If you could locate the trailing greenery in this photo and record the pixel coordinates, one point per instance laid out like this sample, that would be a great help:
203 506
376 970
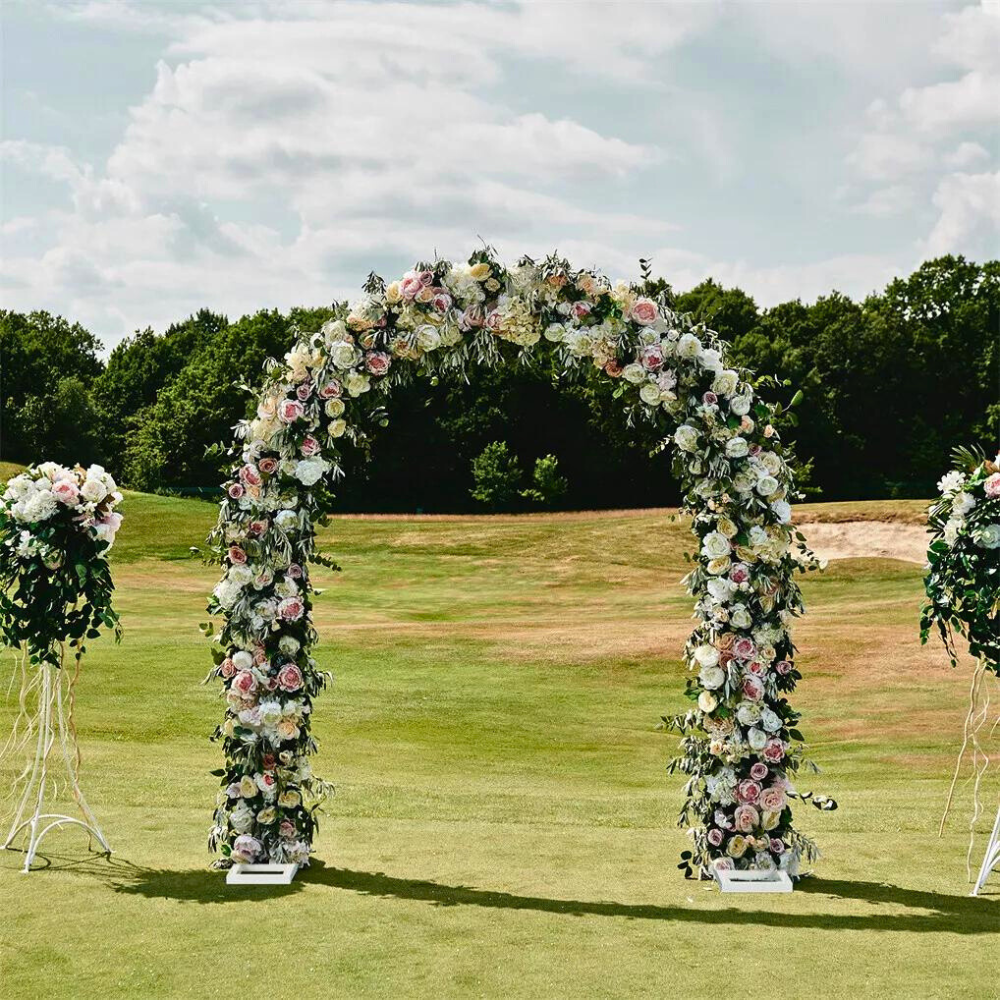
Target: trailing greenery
891 384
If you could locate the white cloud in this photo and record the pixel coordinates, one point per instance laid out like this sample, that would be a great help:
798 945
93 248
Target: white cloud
969 220
887 156
953 105
887 201
966 154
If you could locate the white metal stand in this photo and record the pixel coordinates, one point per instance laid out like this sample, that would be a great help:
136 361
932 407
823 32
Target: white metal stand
992 857
51 725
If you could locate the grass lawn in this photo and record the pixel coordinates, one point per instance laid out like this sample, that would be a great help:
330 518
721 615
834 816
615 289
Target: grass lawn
503 824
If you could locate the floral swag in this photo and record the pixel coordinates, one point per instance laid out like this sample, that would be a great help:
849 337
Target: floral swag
740 746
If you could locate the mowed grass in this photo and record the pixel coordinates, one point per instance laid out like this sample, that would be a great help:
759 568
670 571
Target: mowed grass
503 826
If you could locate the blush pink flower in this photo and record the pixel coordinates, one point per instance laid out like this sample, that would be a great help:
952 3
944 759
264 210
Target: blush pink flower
268 465
748 791
581 309
256 528
753 689
614 369
246 849
992 486
759 771
227 668
294 571
783 667
774 751
739 573
472 318
651 358
757 668
331 390
291 609
236 555
310 446
410 285
645 312
377 362
715 837
773 799
289 677
710 399
744 649
66 492
245 683
441 302
746 818
304 391
290 410
250 475
777 846
286 829
236 490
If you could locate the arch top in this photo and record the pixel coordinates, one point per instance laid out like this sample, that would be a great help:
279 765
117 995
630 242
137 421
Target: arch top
740 742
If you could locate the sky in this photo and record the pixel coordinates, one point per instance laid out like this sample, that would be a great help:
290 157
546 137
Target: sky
160 157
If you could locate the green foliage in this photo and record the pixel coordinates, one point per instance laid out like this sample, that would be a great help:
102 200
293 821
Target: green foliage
496 474
549 486
61 425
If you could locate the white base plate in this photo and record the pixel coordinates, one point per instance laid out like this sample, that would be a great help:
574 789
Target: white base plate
261 874
754 881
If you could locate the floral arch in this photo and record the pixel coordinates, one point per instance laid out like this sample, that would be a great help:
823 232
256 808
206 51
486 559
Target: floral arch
740 746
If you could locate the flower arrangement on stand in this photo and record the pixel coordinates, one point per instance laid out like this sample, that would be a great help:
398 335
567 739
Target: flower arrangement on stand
741 746
963 595
56 527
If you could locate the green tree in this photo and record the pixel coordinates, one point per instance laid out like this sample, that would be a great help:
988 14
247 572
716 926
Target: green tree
61 426
549 486
496 474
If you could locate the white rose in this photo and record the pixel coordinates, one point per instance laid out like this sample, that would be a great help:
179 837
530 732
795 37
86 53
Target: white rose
952 528
40 506
334 407
242 660
240 575
310 471
555 332
712 678
343 355
987 536
428 339
771 721
767 485
782 511
634 373
706 655
740 405
757 738
336 428
688 347
740 617
711 359
770 461
93 490
748 713
707 701
721 590
715 545
356 383
962 504
737 448
686 437
650 394
286 519
289 645
725 382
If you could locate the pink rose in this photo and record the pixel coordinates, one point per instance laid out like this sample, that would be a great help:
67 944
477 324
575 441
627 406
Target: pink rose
715 837
710 399
441 302
290 410
783 667
286 829
227 668
746 818
266 782
289 677
992 486
377 362
753 689
494 320
759 771
291 609
755 449
777 846
304 391
748 791
237 555
651 358
245 683
246 849
331 390
410 285
774 751
614 369
256 528
739 573
581 309
757 668
427 278
644 312
236 490
294 571
310 445
472 318
66 492
744 649
250 475
773 800
268 465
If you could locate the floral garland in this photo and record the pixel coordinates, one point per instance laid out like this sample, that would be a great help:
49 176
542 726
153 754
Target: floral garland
56 528
740 746
963 579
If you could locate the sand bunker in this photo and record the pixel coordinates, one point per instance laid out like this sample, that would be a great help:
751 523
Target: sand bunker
867 539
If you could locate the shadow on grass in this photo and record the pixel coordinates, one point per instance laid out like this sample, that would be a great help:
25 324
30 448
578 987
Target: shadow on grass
944 913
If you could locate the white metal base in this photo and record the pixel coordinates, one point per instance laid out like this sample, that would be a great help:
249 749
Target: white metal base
754 881
264 874
50 723
992 857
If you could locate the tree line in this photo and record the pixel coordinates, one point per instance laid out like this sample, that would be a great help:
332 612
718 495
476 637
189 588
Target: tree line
890 385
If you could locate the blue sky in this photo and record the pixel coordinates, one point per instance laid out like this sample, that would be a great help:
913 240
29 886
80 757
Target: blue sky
160 157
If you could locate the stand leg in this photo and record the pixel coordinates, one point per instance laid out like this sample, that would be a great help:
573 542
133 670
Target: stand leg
991 858
51 723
